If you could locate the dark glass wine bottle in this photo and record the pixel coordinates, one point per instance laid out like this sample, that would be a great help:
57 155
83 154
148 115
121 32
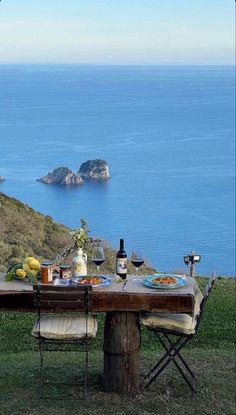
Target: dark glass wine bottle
121 261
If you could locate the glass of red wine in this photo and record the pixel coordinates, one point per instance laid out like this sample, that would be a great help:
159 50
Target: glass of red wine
98 257
137 260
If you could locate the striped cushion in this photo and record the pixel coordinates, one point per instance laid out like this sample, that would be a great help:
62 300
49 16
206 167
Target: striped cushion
173 321
65 328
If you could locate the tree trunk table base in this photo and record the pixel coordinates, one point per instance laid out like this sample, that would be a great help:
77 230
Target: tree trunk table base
121 352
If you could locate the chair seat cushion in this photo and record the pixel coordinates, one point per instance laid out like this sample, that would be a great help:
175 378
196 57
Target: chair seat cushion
65 328
170 321
173 321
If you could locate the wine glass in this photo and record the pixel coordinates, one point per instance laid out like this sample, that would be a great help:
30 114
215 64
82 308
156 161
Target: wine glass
137 260
98 257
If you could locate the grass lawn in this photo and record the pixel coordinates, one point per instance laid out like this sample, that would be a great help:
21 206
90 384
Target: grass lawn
211 355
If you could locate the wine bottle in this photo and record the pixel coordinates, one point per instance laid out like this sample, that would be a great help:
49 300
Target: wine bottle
121 261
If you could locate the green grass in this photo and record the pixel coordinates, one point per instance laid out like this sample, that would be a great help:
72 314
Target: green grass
215 369
211 354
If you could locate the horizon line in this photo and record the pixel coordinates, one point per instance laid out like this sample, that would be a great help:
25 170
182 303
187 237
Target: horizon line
111 64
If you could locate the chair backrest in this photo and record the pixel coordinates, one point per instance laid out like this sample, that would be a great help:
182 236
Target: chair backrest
62 298
208 290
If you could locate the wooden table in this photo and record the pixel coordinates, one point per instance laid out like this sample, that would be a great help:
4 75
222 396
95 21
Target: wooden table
122 332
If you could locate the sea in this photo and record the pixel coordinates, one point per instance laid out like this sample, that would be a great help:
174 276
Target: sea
167 134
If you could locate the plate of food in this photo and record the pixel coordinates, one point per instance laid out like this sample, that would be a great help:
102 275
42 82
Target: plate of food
94 280
165 281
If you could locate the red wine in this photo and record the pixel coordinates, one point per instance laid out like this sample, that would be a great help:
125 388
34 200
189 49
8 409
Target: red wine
98 262
121 261
137 262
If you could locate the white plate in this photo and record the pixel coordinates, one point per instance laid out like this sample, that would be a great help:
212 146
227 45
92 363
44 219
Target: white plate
106 281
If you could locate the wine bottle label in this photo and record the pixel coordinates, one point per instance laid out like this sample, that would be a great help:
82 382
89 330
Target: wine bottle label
121 266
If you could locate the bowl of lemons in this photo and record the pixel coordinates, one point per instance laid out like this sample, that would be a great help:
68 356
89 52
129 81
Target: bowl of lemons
26 270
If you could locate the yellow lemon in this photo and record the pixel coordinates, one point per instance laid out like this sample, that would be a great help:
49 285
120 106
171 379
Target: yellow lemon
28 259
34 264
26 267
20 273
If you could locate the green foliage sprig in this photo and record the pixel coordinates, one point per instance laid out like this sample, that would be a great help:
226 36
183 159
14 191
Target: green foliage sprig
80 236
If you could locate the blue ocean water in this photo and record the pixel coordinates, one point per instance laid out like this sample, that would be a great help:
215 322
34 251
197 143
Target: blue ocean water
167 133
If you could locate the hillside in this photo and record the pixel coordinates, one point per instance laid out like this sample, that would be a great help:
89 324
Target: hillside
26 232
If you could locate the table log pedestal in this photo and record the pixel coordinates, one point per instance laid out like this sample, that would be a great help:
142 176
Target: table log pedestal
121 352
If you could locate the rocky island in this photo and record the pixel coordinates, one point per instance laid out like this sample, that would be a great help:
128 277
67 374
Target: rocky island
89 170
62 175
94 170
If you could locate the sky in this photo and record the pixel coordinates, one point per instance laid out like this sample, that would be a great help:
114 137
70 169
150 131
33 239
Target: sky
117 31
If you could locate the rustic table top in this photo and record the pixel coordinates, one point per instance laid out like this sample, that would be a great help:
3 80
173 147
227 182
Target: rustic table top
134 296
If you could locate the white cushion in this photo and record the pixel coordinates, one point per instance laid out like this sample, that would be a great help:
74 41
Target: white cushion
170 321
65 328
173 321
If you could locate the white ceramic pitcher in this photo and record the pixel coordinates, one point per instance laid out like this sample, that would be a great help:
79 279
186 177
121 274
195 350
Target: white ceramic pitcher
79 264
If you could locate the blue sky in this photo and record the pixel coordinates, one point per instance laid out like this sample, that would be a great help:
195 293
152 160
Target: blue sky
118 31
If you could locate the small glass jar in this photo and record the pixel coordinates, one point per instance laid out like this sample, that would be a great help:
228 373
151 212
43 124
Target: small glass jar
47 272
65 271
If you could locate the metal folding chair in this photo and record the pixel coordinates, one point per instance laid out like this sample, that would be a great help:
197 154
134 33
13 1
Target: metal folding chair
174 339
52 329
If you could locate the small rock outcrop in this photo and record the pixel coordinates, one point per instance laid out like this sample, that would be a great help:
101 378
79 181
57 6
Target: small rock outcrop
2 179
94 170
90 170
62 175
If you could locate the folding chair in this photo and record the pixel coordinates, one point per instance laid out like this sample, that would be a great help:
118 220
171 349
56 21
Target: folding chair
56 329
174 331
